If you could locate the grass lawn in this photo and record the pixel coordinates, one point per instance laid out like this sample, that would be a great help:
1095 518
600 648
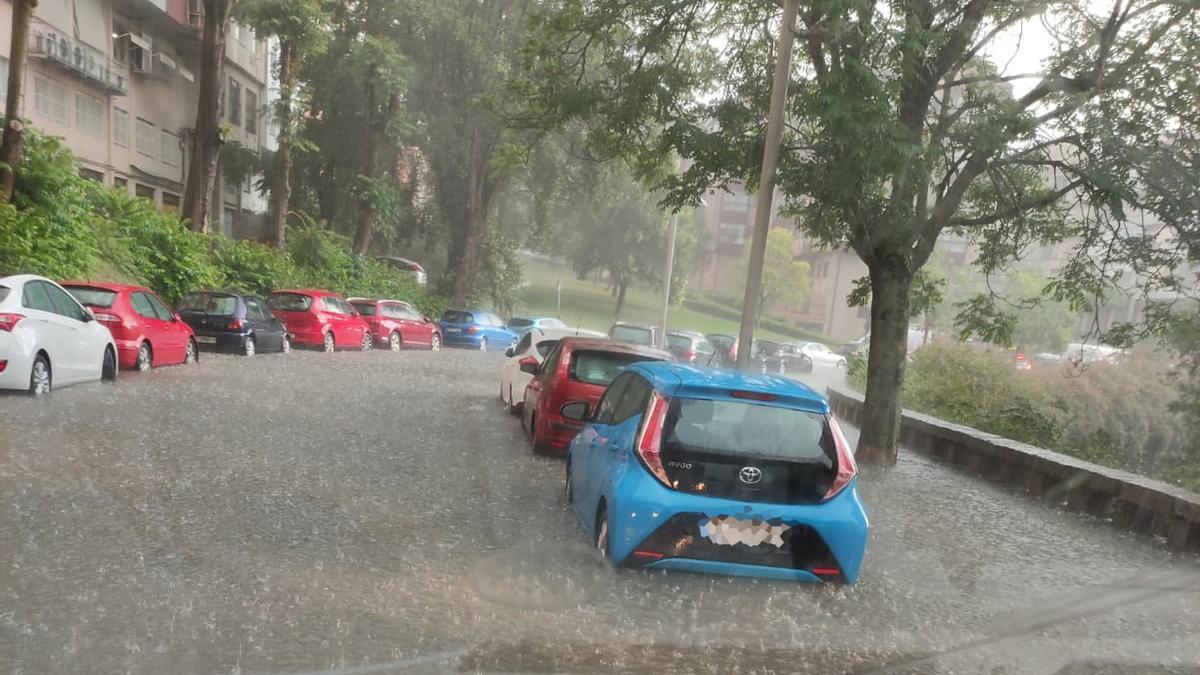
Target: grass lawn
590 305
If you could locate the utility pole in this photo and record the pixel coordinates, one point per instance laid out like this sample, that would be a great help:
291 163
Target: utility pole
662 337
766 185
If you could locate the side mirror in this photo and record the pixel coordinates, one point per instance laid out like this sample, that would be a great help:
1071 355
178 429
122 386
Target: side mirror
426 319
577 411
88 317
509 352
175 318
530 365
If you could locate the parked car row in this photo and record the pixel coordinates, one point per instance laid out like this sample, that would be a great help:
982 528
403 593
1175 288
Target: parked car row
55 334
673 465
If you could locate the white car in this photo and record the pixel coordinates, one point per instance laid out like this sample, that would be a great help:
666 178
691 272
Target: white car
48 339
535 344
820 355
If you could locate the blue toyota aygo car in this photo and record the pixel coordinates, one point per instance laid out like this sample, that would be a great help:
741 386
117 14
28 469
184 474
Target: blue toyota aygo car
700 470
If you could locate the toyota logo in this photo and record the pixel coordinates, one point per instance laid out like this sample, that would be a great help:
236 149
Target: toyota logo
750 475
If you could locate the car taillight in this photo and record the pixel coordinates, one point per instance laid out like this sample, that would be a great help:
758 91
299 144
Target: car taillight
649 441
528 361
847 469
8 320
414 267
106 317
470 329
690 354
236 324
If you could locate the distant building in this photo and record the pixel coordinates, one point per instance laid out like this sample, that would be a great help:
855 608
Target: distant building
117 81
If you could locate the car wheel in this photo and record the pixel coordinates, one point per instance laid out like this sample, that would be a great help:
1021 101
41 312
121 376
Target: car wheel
394 341
40 377
286 347
108 368
483 344
367 342
435 343
145 357
249 347
602 543
189 352
329 343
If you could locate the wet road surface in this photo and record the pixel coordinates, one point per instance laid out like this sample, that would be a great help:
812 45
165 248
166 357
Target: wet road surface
381 513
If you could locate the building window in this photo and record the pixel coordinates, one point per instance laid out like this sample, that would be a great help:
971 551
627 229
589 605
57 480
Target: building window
91 174
89 114
732 233
235 102
170 202
229 216
120 42
251 112
120 123
172 155
147 139
121 184
144 191
50 99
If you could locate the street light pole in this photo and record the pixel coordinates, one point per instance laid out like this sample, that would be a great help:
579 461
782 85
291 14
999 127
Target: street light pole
666 304
766 185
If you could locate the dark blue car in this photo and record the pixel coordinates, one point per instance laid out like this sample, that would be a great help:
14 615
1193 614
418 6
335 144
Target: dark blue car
700 470
475 329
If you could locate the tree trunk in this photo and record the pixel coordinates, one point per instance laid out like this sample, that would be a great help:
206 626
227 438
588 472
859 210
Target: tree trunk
621 288
479 193
378 124
206 139
281 192
891 285
14 128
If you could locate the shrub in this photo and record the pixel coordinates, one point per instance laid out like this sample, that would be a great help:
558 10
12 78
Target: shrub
152 246
254 268
47 228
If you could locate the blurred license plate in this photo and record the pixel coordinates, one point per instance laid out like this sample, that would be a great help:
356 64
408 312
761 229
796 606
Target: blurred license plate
453 330
206 340
729 531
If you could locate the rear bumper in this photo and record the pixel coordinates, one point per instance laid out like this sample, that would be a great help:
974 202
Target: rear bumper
19 362
220 340
835 530
307 336
127 352
461 340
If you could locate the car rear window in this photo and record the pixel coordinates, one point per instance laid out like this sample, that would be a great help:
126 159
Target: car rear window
635 334
456 316
365 308
89 295
721 341
737 428
679 341
208 303
289 302
520 323
597 367
4 290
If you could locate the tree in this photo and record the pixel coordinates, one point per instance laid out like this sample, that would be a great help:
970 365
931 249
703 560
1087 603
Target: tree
206 137
785 280
898 128
463 54
301 27
14 128
357 124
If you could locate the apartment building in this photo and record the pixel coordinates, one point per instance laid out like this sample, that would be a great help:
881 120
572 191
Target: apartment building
117 81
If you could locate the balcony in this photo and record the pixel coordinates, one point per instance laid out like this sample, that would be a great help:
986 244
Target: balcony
76 57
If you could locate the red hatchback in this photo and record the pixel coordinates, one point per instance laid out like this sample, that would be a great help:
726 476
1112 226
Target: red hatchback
146 332
396 324
320 319
577 369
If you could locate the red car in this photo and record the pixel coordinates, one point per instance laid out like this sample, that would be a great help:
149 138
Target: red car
577 369
320 319
146 332
397 324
